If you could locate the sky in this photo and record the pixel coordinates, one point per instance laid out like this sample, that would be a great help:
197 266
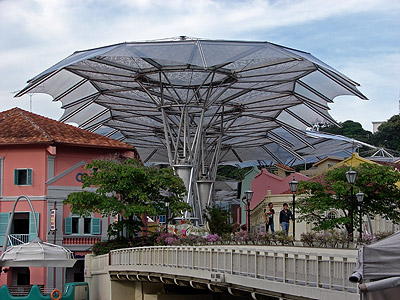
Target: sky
360 38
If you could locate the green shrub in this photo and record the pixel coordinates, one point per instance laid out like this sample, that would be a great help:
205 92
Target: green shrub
281 238
308 238
218 220
120 243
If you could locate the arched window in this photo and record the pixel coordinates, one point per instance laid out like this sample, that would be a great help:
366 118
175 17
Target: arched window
331 215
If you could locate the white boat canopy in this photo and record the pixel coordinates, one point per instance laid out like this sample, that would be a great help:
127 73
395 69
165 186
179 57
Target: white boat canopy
35 253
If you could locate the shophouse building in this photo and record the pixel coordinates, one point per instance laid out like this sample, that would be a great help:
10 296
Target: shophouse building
44 159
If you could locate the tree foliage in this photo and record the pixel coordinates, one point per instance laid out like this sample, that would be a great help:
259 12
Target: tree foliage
386 137
378 183
350 129
231 172
218 220
130 189
388 134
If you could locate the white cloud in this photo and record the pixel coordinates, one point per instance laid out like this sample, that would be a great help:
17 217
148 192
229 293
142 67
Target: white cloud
34 34
379 76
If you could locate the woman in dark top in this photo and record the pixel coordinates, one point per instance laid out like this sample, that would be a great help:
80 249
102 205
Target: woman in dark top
269 218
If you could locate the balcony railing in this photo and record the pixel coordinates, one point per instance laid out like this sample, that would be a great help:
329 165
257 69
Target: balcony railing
18 239
80 240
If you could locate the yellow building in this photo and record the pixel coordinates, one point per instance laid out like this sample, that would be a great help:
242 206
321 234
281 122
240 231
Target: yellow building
322 166
257 214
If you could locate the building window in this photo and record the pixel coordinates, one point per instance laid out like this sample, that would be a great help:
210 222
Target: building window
75 225
78 225
23 227
20 223
331 215
87 225
23 176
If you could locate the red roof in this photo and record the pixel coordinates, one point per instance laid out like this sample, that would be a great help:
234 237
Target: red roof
285 167
18 127
394 165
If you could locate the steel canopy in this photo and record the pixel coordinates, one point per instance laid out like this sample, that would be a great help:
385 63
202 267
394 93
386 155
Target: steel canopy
199 103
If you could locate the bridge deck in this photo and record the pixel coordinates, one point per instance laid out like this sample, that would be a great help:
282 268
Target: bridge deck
306 273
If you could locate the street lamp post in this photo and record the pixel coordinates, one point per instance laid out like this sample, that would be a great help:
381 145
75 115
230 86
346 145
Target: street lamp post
351 178
247 196
293 188
166 216
360 199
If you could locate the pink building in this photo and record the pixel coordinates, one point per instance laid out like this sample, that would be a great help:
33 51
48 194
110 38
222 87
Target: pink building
266 181
44 160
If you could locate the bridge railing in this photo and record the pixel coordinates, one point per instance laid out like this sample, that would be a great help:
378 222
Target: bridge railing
308 267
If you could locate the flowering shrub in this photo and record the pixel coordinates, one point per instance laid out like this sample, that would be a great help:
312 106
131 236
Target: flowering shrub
336 239
308 238
192 240
241 237
381 235
176 238
321 239
264 238
281 238
344 239
168 239
213 238
367 238
331 239
119 243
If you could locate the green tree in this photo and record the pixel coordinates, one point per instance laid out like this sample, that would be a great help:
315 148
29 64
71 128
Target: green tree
388 134
231 172
128 188
378 183
218 220
350 129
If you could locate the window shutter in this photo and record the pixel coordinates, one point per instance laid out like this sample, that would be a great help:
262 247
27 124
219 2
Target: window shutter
15 177
29 179
32 230
4 217
95 225
68 225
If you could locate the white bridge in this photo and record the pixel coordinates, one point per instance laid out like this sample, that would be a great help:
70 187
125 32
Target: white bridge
260 272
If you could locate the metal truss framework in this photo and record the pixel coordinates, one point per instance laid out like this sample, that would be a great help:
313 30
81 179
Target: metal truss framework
198 103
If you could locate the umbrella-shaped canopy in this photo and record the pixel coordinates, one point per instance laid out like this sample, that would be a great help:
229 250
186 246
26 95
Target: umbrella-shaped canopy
251 93
198 102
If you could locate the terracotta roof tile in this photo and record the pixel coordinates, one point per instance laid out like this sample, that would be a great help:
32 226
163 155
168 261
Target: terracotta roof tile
18 126
285 167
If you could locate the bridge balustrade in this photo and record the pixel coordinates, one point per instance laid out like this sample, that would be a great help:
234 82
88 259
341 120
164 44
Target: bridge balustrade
314 268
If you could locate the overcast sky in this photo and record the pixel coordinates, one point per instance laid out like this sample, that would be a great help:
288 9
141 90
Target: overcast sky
360 38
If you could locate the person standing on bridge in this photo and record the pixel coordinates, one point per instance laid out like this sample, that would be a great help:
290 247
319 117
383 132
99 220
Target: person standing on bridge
269 218
284 217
